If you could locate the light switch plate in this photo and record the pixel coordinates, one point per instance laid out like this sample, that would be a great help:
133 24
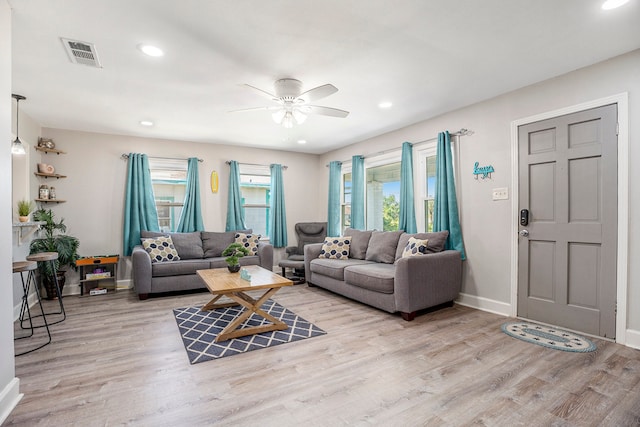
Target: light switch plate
500 193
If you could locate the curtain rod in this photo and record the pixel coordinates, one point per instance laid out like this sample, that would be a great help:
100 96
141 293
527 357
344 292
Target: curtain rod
254 164
461 132
126 156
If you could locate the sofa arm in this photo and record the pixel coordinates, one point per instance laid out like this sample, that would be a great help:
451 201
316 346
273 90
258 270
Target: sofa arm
265 254
141 266
291 250
311 252
426 281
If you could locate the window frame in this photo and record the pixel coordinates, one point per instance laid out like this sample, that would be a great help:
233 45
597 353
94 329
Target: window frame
248 169
168 164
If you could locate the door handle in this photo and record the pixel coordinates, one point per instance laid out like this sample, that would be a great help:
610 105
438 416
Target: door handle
524 233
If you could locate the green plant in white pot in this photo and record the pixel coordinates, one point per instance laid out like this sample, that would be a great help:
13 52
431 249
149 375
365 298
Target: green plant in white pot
25 207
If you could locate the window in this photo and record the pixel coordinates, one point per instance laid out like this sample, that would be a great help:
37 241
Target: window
169 181
255 190
383 196
346 201
429 175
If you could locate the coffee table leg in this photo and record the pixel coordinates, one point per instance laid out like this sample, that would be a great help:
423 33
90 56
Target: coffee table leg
211 305
251 306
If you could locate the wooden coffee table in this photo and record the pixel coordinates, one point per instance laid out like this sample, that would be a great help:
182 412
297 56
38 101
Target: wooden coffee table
221 282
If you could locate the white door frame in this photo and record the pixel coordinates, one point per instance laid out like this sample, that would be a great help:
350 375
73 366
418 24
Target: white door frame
622 279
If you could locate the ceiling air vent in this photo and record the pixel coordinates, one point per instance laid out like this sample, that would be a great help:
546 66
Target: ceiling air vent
81 52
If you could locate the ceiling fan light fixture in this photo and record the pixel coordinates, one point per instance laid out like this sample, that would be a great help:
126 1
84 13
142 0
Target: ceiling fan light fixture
287 121
278 116
299 116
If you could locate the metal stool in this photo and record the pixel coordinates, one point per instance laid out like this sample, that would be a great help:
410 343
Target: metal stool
52 258
29 267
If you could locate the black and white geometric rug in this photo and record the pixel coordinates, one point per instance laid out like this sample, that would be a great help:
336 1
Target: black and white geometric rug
550 337
199 329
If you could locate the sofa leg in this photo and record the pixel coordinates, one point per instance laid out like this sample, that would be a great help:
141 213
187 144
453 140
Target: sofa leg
143 296
408 316
311 285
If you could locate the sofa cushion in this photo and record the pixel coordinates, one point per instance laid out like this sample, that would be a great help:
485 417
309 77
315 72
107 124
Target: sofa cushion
436 240
335 248
382 246
221 263
359 242
378 277
160 249
213 243
334 268
415 247
249 241
188 245
189 266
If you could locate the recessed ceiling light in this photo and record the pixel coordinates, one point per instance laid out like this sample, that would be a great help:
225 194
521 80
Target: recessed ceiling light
150 50
302 141
146 122
612 4
385 104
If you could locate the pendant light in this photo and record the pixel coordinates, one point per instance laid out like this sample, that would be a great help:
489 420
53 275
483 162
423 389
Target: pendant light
17 147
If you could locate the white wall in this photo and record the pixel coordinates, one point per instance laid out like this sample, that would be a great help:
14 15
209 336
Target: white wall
9 384
96 174
486 223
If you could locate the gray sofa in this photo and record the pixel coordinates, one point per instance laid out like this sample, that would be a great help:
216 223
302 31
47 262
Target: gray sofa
375 273
197 251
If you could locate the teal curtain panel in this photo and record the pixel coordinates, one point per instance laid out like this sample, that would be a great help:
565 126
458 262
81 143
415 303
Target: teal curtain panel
191 216
446 203
333 214
235 213
357 193
140 206
278 211
407 208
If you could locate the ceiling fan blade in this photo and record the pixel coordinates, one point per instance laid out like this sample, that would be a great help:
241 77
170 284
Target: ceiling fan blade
318 93
327 111
262 92
245 110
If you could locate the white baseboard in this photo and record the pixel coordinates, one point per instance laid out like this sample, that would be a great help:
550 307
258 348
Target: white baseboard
484 304
633 339
9 398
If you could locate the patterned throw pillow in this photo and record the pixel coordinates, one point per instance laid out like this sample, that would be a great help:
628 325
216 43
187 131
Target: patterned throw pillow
335 247
249 241
415 247
160 249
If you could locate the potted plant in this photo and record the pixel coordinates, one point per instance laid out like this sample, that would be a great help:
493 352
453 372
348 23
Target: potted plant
233 253
53 241
25 207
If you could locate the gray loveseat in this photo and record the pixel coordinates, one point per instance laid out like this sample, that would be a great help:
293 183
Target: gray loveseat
376 274
197 251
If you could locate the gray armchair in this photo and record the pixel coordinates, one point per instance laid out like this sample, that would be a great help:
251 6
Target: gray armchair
306 233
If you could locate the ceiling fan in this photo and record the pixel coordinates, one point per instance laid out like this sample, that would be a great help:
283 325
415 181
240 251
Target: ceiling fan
295 105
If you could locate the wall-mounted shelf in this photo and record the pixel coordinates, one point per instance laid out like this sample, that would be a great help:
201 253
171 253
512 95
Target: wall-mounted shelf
50 201
49 150
26 229
49 175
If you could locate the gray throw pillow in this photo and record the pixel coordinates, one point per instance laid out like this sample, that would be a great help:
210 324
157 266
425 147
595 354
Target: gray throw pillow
437 240
214 243
359 242
188 245
382 246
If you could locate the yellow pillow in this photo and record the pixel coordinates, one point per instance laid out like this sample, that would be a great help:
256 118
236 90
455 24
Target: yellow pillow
415 247
335 247
160 249
249 241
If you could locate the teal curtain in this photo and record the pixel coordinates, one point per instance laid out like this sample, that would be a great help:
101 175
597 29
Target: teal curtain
407 208
191 216
357 193
278 212
333 214
235 213
446 203
139 206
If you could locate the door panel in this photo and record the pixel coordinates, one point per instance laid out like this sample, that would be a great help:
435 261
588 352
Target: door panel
568 182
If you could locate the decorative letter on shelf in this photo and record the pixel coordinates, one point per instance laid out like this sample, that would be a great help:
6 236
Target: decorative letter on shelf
485 171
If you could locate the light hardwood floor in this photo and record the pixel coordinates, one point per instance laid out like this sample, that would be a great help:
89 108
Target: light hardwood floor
120 361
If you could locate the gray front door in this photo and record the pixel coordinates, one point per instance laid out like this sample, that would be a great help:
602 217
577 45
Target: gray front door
567 251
